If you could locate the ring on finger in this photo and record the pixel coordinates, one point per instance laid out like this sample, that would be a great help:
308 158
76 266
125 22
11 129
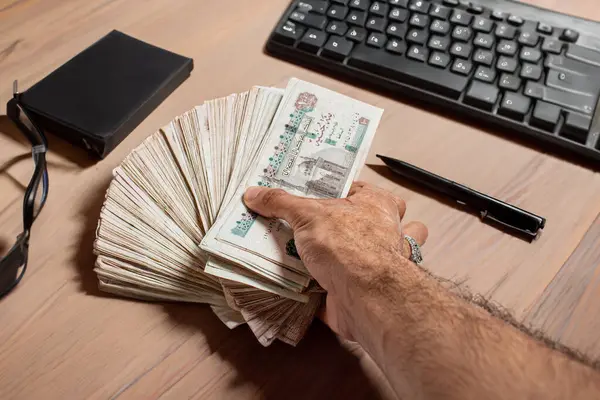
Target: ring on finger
415 250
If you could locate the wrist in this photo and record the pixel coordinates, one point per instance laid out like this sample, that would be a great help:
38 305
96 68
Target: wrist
393 293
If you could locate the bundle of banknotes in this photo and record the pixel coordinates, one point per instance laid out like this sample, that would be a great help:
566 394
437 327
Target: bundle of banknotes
174 226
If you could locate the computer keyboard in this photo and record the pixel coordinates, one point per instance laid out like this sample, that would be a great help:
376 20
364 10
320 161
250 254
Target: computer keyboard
517 66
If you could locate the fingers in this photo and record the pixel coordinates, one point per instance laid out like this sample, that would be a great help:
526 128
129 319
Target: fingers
416 230
356 186
365 190
279 204
400 205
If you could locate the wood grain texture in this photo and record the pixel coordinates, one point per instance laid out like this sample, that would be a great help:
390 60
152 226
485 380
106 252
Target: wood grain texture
61 338
570 302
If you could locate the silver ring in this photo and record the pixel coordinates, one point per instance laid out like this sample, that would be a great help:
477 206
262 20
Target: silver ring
415 250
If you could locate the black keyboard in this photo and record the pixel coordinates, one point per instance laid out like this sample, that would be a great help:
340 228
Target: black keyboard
517 66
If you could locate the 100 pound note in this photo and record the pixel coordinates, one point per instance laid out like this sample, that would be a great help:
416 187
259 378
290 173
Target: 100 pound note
315 148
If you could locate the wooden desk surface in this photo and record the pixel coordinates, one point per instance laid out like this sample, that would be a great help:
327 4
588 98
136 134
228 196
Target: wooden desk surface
61 338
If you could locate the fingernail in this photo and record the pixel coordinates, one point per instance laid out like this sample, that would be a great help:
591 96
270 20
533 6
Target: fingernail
252 193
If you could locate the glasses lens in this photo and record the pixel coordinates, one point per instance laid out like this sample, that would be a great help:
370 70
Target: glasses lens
12 268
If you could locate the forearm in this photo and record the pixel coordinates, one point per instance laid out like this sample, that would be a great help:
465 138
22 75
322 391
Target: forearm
431 344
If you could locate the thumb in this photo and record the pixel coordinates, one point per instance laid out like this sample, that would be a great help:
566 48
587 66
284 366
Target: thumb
277 203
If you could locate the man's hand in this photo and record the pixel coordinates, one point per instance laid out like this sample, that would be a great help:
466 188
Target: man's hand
429 343
342 241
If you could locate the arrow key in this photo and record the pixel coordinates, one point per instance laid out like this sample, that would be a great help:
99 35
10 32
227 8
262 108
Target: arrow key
514 106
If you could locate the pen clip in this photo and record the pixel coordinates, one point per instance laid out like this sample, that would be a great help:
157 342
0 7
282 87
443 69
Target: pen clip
485 215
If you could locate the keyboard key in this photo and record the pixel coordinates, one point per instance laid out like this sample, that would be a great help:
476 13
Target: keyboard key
552 45
505 31
418 53
569 35
399 3
441 27
438 59
379 8
337 48
337 28
485 74
438 11
312 41
288 33
357 34
514 106
530 54
398 14
396 30
376 40
474 8
577 102
439 43
584 55
545 115
510 82
576 127
451 3
506 64
419 20
461 17
507 47
417 36
484 40
534 90
515 20
376 24
531 71
396 46
421 6
483 57
482 95
342 2
337 12
527 38
359 4
462 33
310 20
461 50
357 18
483 25
544 28
463 67
318 7
567 64
498 15
410 72
571 82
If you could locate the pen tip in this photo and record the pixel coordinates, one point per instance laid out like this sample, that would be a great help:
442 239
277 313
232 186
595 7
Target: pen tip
382 158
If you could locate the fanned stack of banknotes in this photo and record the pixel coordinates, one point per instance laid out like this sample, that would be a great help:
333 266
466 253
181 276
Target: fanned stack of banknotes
174 226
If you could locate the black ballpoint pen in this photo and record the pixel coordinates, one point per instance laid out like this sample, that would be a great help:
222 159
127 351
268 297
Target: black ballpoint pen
490 209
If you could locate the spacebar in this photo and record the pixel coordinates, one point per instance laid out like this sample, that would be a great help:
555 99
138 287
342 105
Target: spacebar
403 70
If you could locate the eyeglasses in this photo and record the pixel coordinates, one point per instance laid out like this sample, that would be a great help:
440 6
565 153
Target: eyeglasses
14 264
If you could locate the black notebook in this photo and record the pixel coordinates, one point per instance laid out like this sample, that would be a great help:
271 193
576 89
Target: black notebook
99 96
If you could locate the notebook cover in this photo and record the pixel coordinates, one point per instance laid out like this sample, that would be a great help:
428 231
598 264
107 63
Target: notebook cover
99 96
